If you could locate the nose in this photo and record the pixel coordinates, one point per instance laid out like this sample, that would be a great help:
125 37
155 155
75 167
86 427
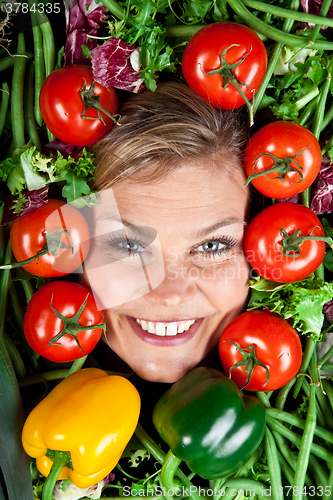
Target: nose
176 288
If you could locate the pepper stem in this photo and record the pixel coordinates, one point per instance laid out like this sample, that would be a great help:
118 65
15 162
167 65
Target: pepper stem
249 360
291 242
60 460
281 166
72 326
52 245
226 70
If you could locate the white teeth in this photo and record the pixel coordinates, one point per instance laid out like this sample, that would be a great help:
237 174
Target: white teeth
150 327
159 329
172 329
165 329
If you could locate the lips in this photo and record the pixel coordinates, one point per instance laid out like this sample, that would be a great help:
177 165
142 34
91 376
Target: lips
165 333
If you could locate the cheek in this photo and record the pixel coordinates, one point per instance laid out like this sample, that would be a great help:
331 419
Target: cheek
226 285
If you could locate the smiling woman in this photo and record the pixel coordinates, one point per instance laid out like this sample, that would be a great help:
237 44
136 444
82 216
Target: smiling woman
166 258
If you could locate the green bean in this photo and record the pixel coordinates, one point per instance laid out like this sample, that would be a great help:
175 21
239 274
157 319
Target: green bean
273 466
287 13
327 118
247 484
318 472
118 11
322 400
283 393
305 445
77 365
317 450
29 109
8 61
273 60
243 471
273 33
320 111
310 345
329 391
262 396
320 415
328 367
299 422
4 105
329 484
48 43
308 110
48 51
39 63
284 449
15 356
18 315
28 289
17 113
322 13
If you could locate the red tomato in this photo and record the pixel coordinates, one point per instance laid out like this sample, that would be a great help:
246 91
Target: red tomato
41 324
203 54
30 232
61 106
276 345
263 242
284 140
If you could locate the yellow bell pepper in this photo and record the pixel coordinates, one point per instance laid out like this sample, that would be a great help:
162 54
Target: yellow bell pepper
82 427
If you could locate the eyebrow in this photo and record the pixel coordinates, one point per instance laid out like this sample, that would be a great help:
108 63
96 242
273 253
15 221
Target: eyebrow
218 225
142 230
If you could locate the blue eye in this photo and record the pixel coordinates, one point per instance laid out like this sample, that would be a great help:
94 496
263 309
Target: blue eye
216 246
124 245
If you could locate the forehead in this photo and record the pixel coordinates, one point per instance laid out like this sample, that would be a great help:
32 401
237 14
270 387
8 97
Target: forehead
188 193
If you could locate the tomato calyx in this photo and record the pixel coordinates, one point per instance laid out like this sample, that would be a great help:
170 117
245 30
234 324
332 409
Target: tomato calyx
290 245
72 326
249 361
281 166
90 100
52 245
226 71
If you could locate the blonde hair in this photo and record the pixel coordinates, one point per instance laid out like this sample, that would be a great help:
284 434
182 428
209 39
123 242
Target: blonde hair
165 129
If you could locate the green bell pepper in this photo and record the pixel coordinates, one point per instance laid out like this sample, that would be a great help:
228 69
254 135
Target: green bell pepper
207 423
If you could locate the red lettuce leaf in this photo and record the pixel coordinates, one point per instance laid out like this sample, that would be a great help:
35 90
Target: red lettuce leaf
66 150
32 200
112 67
322 200
83 18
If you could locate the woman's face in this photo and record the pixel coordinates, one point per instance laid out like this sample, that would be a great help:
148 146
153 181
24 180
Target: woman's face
167 264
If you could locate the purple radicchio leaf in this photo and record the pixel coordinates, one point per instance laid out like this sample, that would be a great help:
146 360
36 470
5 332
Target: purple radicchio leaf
322 200
328 310
112 66
313 7
31 201
83 18
292 199
66 150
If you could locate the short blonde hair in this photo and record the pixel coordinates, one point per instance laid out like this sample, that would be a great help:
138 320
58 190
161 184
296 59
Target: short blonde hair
165 129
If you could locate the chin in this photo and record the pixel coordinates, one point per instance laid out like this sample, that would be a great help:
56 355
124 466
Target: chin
166 377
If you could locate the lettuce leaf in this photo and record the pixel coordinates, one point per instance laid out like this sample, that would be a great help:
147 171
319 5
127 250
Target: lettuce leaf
301 302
